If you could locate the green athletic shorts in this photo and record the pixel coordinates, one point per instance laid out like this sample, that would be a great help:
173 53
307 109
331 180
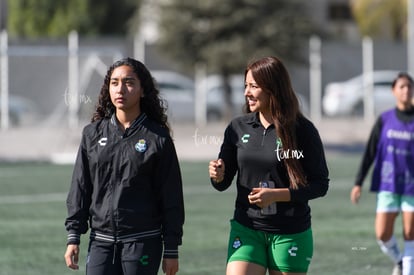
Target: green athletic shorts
285 253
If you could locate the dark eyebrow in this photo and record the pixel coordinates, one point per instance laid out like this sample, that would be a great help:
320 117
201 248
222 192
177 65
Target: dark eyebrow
129 78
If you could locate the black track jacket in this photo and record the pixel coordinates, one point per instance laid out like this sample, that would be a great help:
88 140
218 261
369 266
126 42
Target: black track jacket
255 154
126 186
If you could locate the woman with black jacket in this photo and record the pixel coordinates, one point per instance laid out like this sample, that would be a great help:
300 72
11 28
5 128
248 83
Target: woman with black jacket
126 184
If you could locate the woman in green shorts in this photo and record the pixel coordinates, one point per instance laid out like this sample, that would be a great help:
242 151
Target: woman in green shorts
280 164
391 148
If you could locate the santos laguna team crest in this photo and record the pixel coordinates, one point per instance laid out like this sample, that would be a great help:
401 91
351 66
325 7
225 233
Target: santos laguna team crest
237 243
141 145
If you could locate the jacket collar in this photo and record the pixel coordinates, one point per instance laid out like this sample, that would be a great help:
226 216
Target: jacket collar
253 119
138 121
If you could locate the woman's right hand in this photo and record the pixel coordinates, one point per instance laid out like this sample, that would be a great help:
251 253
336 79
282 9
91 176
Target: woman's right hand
72 256
355 194
216 170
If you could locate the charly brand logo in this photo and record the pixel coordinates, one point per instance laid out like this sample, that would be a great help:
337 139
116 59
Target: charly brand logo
292 251
245 138
103 141
288 153
144 260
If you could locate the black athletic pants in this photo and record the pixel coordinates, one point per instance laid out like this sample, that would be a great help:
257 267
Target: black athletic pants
130 258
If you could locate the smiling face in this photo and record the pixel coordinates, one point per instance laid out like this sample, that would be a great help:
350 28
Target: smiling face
257 99
125 90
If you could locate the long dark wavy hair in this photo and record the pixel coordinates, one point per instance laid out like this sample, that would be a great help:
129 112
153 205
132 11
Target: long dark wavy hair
151 104
273 78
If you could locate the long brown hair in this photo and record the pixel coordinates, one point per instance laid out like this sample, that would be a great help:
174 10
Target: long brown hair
273 78
151 104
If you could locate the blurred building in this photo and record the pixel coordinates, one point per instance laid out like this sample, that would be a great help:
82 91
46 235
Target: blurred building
334 17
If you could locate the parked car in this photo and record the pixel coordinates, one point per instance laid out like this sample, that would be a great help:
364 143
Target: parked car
21 111
347 97
178 91
215 97
216 105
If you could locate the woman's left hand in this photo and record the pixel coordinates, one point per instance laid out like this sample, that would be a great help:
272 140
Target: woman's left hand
170 266
262 197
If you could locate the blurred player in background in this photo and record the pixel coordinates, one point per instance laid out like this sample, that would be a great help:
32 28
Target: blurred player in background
391 148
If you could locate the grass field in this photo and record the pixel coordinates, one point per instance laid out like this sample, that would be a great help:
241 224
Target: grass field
32 212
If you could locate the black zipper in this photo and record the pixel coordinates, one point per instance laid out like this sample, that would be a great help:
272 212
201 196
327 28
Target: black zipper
263 136
114 214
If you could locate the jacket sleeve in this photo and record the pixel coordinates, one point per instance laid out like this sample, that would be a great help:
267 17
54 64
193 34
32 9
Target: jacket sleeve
79 197
314 165
168 175
228 153
370 152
